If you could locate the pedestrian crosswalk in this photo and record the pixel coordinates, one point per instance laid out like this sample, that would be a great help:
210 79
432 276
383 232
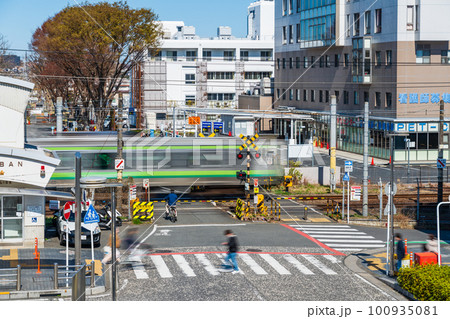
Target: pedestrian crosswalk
340 237
259 264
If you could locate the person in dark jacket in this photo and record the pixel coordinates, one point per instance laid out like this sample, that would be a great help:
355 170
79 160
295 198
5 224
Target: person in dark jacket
400 250
232 250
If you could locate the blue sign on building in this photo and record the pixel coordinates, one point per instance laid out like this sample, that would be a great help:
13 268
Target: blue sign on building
423 98
218 126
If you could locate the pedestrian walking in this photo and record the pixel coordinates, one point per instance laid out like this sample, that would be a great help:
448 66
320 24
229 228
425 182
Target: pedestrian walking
400 250
432 244
232 250
108 248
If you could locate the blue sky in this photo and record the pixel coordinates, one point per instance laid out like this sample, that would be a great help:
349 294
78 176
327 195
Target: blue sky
19 19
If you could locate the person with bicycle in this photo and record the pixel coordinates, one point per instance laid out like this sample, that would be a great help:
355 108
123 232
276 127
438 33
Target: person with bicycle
171 203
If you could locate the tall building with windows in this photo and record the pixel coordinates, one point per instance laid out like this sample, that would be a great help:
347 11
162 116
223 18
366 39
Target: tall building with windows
394 55
209 72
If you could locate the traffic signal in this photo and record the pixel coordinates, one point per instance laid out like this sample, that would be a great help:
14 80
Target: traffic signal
241 175
240 156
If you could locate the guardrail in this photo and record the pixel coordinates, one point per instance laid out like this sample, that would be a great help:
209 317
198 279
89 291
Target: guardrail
67 274
11 275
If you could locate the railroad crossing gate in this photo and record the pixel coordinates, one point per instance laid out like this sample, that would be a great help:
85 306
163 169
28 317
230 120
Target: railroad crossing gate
143 211
248 141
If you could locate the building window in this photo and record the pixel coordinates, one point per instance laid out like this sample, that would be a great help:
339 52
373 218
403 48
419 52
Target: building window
305 95
189 100
417 18
320 96
171 55
284 63
155 56
367 22
284 94
355 97
291 34
207 55
284 7
337 58
321 62
191 55
284 36
291 94
378 58
291 63
189 78
423 54
298 36
312 62
327 61
388 99
297 95
347 25
257 75
346 60
410 18
327 96
278 64
313 96
291 6
366 97
228 55
356 24
388 57
220 96
299 5
278 94
305 62
445 57
378 21
220 75
378 99
244 55
336 94
345 97
297 62
266 55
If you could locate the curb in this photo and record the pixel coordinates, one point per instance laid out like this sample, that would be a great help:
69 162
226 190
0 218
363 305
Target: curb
36 294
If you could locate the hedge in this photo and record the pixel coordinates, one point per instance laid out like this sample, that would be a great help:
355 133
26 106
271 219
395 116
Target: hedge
426 283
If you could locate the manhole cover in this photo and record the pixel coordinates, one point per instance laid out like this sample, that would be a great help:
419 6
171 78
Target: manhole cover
254 250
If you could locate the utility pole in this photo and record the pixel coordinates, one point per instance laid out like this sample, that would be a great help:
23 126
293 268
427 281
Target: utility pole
119 151
365 209
333 145
248 177
174 121
77 242
391 210
441 151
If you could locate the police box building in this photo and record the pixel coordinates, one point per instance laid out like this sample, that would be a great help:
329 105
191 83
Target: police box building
25 170
394 55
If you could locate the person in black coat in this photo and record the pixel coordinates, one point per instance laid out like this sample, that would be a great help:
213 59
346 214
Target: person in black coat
400 250
232 250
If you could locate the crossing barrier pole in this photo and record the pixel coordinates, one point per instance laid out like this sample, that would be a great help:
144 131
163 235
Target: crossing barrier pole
411 255
35 248
406 244
39 263
305 216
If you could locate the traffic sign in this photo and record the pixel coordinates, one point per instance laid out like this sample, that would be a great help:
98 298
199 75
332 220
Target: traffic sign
255 182
346 178
387 189
68 209
218 126
441 162
387 209
145 183
132 192
348 166
119 163
194 120
256 190
356 193
91 216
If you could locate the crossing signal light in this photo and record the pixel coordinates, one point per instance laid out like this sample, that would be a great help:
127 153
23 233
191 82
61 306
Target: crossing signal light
240 156
257 155
241 175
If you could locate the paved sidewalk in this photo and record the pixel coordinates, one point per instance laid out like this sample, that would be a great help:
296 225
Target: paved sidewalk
34 284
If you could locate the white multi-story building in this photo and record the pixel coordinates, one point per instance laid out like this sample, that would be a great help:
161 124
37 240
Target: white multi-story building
209 72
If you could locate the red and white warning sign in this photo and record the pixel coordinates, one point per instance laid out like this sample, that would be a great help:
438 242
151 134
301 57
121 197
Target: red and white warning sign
68 206
119 163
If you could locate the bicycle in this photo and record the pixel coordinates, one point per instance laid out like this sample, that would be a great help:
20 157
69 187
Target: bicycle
171 213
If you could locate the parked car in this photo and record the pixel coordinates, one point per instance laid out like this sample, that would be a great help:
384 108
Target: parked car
61 224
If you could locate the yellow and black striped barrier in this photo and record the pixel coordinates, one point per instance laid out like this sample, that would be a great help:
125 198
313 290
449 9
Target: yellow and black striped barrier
143 211
240 208
197 201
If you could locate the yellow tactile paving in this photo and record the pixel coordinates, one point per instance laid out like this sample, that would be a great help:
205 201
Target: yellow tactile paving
98 266
13 257
319 220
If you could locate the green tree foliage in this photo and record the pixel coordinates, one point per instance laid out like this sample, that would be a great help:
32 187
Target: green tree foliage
96 45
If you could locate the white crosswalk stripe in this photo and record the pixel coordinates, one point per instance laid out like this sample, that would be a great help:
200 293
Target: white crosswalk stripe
341 237
261 264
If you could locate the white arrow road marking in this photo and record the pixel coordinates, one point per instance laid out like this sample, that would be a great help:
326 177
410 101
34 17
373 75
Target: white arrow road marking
252 264
161 267
297 264
183 264
275 264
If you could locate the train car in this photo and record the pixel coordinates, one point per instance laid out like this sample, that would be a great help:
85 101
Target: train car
168 161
